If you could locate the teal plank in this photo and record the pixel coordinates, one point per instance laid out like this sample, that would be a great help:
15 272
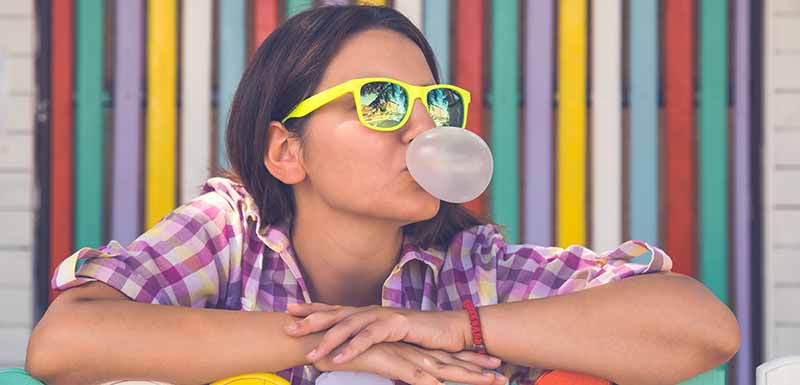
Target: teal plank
231 64
436 26
89 124
505 116
294 7
643 129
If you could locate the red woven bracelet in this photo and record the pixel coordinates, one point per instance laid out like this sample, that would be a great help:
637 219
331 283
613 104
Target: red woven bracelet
475 325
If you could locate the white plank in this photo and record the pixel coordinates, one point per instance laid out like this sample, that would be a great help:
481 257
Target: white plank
19 115
16 8
787 147
412 9
606 124
16 151
17 191
788 309
16 228
787 341
21 71
14 342
17 305
787 264
17 269
787 188
196 94
18 35
781 139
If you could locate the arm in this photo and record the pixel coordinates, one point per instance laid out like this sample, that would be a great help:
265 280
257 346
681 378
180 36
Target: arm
92 334
659 328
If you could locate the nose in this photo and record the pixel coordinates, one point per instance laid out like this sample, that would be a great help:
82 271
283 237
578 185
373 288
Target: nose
419 122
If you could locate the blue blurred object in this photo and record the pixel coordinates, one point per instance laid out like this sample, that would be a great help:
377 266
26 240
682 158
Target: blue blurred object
17 376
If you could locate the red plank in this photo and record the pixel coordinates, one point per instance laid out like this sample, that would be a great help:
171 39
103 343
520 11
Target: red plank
469 72
61 177
680 238
265 20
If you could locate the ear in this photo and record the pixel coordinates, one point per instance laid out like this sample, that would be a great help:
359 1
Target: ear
282 156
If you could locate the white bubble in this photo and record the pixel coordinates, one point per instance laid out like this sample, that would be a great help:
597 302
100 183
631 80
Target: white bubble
451 163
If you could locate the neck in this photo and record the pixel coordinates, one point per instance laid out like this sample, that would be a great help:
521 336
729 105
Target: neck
345 258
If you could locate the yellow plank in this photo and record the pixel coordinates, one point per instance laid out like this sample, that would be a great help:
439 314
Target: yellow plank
161 110
371 2
571 188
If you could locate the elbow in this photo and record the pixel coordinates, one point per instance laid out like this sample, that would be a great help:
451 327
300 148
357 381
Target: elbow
40 360
728 342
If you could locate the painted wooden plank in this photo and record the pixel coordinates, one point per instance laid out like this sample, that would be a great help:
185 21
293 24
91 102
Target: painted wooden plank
17 269
126 185
16 338
161 105
17 230
741 225
17 8
18 305
713 143
643 150
413 10
21 84
231 56
294 7
436 26
468 73
336 2
787 264
505 116
265 20
680 228
16 151
89 124
371 2
571 187
606 143
61 137
196 129
20 109
18 192
17 35
538 153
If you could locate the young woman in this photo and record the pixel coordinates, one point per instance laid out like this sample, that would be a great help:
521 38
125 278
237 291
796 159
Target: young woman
319 225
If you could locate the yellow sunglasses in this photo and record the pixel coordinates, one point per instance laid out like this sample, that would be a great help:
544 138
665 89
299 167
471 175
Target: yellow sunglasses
384 104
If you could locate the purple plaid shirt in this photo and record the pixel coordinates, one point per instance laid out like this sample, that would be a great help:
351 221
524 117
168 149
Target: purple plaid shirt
213 252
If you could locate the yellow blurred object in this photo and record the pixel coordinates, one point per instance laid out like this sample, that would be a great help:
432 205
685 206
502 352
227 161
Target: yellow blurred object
253 379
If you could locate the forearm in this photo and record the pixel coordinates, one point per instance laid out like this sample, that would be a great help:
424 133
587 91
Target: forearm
649 329
103 340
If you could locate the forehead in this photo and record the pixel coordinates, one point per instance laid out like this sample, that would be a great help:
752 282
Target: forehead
378 53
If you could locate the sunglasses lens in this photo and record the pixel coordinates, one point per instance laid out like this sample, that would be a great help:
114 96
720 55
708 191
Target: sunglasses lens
446 107
383 104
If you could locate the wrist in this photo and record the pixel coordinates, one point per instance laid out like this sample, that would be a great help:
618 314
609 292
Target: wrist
464 328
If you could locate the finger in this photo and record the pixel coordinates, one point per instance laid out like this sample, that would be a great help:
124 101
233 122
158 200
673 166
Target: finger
304 309
315 322
338 335
407 371
483 360
371 334
453 372
450 359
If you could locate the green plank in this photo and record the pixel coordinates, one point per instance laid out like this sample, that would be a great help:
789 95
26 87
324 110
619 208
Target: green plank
714 376
294 7
713 127
89 127
505 116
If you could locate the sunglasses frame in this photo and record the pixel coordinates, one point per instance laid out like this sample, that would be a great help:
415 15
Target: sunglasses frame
353 86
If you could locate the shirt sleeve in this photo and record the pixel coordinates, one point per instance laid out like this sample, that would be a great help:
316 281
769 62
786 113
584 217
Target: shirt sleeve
184 260
527 271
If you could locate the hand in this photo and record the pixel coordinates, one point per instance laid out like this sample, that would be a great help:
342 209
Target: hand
419 366
441 330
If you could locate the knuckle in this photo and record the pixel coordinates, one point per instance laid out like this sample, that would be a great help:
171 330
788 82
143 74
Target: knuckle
418 373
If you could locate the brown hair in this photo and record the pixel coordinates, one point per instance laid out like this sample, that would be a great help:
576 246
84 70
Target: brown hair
287 68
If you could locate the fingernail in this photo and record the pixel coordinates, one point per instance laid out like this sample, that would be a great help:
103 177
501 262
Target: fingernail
502 378
339 358
291 327
488 373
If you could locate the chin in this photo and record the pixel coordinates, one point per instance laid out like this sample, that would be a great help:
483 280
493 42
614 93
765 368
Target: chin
422 208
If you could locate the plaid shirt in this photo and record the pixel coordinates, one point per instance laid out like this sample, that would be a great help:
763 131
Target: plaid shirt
213 252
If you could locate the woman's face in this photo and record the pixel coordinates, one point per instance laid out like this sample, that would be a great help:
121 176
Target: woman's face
352 168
